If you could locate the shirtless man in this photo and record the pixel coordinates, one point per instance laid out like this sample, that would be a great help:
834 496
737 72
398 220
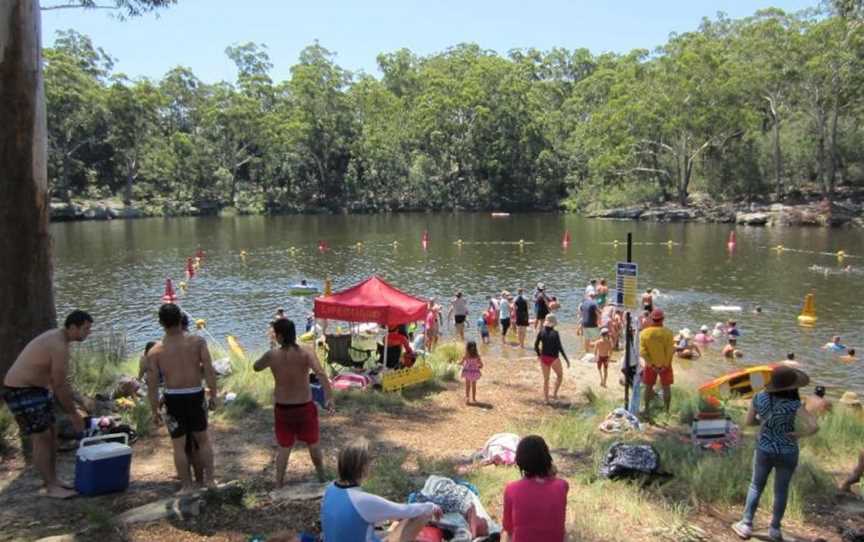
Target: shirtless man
602 353
183 361
295 414
37 376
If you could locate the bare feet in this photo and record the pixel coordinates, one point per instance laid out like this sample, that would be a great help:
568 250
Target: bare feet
57 492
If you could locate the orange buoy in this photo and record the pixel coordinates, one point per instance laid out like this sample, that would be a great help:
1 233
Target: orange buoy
169 296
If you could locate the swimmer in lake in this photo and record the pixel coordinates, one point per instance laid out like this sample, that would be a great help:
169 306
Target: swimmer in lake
849 357
731 351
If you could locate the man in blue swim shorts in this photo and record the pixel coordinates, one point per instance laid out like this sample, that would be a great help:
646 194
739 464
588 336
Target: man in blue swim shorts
38 376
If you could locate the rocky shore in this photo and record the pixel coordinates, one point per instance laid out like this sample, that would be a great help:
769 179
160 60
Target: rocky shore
846 213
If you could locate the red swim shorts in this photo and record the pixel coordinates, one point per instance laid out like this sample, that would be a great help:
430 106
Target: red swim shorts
602 361
296 422
548 361
649 375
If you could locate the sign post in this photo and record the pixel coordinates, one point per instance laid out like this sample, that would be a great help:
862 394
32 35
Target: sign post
627 297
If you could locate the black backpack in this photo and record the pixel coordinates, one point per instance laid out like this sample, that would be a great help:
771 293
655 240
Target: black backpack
627 461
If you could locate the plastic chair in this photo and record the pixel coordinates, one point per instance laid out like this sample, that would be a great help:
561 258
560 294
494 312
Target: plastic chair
340 352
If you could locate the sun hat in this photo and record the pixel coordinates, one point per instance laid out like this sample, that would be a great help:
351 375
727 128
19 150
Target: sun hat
850 398
604 331
703 329
550 320
686 333
540 285
657 315
785 378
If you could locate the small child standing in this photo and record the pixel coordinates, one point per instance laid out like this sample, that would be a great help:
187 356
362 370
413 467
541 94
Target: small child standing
471 365
602 350
483 328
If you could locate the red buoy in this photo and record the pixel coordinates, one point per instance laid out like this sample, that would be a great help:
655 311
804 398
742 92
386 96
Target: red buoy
566 240
169 296
731 242
424 241
322 246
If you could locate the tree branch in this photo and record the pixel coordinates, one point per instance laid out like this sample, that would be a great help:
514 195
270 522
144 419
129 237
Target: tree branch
75 6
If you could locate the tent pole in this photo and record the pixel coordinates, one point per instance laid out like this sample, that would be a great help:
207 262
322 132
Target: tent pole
384 355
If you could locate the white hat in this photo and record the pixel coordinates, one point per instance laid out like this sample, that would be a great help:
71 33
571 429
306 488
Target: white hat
686 333
703 329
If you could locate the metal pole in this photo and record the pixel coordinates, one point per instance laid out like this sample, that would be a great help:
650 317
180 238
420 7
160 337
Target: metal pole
628 337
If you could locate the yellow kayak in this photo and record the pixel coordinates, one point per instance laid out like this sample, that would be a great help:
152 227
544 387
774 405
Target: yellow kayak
235 347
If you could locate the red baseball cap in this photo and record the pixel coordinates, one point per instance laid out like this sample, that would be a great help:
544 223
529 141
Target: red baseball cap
657 315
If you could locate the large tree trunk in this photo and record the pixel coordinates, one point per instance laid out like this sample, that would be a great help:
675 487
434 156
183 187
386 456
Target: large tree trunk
26 271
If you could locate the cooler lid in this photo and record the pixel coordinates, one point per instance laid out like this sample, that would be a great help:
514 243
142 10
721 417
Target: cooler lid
103 451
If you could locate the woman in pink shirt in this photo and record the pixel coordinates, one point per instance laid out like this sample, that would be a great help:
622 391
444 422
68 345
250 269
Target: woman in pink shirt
535 507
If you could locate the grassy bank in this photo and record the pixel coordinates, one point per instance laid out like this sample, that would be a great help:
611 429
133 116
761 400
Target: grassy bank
600 509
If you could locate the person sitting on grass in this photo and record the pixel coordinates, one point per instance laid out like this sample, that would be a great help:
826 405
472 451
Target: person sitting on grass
855 477
349 514
777 409
295 414
535 507
684 348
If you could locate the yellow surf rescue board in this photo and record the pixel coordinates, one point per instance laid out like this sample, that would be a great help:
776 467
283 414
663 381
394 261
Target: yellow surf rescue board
739 384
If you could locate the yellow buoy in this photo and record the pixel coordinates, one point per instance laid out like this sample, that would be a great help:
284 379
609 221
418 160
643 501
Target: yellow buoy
808 313
841 254
615 242
200 323
521 241
669 243
182 285
778 248
458 241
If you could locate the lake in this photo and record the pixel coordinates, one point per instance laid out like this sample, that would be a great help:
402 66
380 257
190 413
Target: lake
117 269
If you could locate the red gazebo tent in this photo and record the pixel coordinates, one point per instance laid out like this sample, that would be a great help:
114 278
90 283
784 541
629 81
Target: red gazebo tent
372 300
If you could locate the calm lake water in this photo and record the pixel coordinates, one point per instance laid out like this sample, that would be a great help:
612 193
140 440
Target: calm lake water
117 270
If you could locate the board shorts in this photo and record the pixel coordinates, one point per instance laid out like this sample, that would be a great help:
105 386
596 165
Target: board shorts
602 361
296 422
505 325
185 412
548 361
650 374
459 319
522 320
33 408
591 333
648 307
484 334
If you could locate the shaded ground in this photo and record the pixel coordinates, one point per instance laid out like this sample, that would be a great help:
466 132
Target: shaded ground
433 431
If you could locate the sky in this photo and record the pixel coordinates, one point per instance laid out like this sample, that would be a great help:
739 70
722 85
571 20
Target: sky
195 33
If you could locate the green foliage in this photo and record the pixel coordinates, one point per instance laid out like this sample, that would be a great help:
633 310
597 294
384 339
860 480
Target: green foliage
98 363
7 426
242 406
737 108
141 418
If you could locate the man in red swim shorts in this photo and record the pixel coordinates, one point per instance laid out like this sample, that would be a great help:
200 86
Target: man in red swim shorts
656 347
295 414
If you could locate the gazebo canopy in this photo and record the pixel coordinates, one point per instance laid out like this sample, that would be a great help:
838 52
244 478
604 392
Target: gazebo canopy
373 300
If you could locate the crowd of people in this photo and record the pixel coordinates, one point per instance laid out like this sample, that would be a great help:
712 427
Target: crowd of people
182 388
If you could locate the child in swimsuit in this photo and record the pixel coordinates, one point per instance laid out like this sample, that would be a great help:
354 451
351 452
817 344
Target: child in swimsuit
483 328
471 366
602 351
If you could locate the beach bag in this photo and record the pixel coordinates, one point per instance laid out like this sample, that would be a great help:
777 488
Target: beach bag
351 381
625 461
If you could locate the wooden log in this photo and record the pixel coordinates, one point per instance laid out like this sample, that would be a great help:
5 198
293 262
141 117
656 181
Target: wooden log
183 506
304 491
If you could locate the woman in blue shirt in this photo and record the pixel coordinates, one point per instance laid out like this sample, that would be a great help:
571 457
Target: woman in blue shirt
349 514
776 410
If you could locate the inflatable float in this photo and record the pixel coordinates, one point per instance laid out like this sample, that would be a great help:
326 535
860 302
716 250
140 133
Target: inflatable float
739 384
303 289
726 308
235 347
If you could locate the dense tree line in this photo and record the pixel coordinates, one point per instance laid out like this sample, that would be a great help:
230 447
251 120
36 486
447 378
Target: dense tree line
761 107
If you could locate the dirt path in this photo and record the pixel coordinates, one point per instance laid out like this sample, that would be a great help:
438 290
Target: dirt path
436 427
